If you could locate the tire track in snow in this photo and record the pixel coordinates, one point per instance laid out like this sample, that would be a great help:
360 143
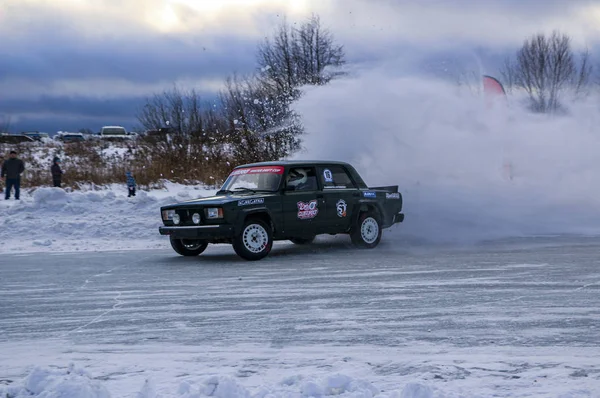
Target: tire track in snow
99 317
117 298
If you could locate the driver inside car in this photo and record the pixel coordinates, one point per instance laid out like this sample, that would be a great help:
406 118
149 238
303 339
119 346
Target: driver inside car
298 179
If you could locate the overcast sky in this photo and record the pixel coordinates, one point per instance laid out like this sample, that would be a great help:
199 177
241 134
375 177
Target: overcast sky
69 64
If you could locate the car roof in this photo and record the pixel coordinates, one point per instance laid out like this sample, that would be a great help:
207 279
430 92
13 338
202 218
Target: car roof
295 163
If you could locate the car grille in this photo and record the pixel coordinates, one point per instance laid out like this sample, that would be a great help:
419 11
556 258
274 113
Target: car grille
186 216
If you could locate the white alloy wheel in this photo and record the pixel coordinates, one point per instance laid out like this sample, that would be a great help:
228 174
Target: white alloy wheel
255 238
369 230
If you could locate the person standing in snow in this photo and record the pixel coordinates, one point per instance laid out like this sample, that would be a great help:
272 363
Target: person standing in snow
56 172
130 184
11 173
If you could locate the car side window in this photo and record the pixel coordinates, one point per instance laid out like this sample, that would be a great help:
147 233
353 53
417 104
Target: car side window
302 179
336 177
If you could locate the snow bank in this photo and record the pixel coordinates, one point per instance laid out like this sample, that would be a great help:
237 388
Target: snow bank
52 219
55 383
77 383
467 172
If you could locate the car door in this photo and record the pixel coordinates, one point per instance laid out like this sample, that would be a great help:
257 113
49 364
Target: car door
340 194
303 206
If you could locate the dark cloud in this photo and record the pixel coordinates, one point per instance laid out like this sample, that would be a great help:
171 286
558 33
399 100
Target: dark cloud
50 50
52 123
55 113
117 108
162 59
51 44
51 114
534 8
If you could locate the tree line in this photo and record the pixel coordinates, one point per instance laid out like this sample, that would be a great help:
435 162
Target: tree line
549 71
252 119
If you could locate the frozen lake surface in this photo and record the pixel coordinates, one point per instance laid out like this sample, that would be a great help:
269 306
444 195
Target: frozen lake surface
511 318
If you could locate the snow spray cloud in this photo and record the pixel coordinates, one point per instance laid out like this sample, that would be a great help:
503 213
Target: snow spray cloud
467 172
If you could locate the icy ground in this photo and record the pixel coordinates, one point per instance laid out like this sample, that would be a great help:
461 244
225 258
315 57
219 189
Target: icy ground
512 319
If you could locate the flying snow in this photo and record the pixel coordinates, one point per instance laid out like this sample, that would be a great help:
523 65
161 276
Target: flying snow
467 171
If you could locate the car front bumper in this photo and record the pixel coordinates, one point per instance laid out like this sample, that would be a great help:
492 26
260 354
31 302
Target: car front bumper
207 232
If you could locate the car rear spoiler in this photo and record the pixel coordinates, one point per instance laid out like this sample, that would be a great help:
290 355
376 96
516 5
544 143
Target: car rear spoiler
389 188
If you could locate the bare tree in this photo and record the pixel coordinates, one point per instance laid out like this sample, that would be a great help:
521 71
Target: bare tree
190 137
546 69
293 57
508 71
584 75
252 119
174 108
299 56
260 124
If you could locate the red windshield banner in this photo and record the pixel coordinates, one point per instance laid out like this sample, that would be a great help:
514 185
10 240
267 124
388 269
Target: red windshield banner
258 170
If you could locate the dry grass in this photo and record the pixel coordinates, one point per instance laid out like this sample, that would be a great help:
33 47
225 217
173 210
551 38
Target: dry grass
99 163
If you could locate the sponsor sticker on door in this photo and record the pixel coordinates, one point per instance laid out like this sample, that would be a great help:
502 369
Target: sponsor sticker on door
341 208
308 210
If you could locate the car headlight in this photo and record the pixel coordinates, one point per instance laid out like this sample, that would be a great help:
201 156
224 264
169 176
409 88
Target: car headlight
196 218
176 219
168 214
214 213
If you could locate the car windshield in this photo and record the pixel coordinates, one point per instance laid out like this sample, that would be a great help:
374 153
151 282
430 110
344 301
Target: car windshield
264 178
114 131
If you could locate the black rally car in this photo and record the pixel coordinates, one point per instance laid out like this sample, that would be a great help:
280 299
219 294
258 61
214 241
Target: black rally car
287 200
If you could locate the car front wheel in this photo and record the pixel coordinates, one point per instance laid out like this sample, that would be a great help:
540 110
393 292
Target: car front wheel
255 241
188 247
367 231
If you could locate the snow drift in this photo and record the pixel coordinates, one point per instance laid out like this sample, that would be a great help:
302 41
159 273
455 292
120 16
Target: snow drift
467 172
52 219
77 382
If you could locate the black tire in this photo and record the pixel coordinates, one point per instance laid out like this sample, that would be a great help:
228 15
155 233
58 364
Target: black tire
255 241
188 247
366 234
302 241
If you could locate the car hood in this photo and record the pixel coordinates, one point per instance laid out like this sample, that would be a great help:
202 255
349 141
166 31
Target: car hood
220 200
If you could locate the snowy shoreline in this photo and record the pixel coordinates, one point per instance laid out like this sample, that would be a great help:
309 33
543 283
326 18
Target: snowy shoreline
54 220
415 371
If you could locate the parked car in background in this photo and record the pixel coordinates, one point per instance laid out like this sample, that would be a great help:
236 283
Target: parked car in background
36 135
68 137
14 139
114 133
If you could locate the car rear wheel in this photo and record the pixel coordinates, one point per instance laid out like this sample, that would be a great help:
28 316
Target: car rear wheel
302 241
255 241
188 247
367 231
